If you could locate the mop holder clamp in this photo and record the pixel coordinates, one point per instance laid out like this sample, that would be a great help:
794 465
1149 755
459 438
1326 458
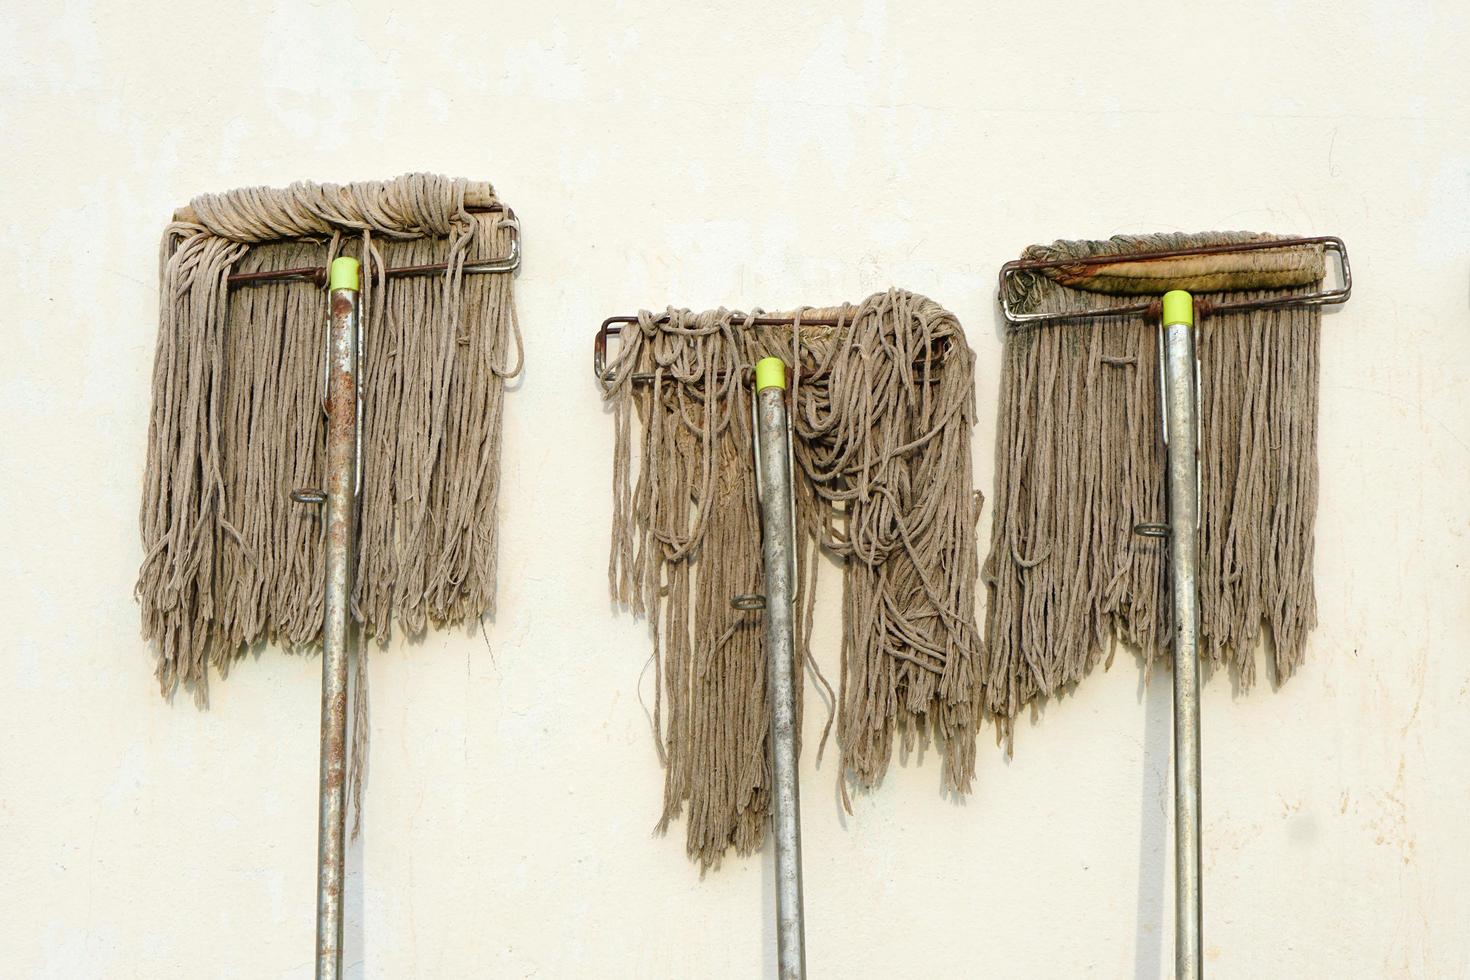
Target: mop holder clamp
1152 306
509 262
613 327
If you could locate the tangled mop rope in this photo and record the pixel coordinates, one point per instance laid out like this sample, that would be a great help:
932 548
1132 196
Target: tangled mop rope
237 422
883 407
1079 464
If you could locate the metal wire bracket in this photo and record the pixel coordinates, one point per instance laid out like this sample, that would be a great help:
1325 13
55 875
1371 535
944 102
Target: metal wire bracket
509 262
1323 297
613 327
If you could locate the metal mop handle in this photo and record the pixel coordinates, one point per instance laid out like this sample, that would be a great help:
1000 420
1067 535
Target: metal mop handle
773 478
341 490
1180 395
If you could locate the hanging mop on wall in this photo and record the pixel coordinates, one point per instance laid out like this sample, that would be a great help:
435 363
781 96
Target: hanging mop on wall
766 439
1196 544
378 397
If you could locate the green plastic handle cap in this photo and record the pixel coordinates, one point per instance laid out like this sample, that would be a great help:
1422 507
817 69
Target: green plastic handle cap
1178 308
770 372
345 274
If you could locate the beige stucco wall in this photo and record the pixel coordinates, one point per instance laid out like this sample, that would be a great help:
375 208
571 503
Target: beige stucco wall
740 154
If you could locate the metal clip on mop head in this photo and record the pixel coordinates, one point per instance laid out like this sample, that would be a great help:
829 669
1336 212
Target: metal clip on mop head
1233 267
509 262
613 327
1272 271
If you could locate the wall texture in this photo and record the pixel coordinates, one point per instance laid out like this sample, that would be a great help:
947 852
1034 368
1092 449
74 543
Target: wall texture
741 154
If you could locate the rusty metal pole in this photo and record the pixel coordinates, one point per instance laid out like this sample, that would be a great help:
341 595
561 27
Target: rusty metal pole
341 549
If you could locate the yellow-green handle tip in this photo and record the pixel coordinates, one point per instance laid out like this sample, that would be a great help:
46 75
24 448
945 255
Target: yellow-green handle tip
345 274
1178 308
770 372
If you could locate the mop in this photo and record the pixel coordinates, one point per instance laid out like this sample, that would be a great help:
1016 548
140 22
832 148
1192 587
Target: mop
1195 545
856 422
325 460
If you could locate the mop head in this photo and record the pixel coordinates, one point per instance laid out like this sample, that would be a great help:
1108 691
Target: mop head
883 407
237 422
1079 462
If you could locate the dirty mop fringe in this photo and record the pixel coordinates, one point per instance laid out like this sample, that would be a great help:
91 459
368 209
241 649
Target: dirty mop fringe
883 412
237 421
1079 462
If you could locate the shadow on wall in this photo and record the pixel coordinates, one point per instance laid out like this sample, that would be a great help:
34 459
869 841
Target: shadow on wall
354 954
354 936
770 967
1153 835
